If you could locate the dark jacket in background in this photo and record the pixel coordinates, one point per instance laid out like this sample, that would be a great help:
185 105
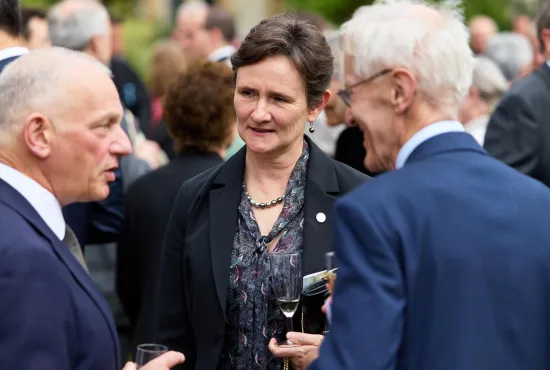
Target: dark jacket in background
518 132
350 149
149 202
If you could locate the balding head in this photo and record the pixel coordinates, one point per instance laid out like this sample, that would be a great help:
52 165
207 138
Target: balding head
482 28
82 25
61 124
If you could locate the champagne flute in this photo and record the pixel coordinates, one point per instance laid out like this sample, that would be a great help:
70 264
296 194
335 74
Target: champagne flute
331 266
286 274
148 352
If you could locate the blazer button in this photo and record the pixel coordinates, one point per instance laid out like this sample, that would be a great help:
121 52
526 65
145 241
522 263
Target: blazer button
321 217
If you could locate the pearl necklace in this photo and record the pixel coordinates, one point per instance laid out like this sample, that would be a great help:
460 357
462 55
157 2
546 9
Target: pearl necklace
263 205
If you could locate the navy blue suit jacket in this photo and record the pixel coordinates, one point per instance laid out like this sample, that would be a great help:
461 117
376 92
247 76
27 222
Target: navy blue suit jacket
5 62
444 265
51 315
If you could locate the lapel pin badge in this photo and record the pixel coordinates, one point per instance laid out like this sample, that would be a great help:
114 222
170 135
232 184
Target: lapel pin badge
321 217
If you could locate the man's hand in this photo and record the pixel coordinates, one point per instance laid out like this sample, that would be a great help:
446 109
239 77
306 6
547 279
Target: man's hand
306 349
164 362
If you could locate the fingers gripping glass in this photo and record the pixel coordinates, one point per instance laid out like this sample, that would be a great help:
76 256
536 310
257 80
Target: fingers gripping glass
148 352
287 284
345 94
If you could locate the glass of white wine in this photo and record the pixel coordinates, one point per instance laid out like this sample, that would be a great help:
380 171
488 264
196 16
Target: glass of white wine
286 278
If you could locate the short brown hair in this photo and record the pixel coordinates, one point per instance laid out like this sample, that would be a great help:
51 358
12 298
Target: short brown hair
298 40
220 18
199 108
167 61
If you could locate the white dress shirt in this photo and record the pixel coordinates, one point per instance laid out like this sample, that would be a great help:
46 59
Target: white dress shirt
423 135
45 204
222 53
12 52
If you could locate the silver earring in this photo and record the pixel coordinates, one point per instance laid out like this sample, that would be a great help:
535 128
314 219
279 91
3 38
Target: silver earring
311 129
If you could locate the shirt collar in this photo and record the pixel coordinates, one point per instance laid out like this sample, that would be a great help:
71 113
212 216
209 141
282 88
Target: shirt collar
423 135
12 52
222 53
44 202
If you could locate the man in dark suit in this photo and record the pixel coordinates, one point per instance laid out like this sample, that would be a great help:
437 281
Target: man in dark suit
518 132
52 315
10 30
443 261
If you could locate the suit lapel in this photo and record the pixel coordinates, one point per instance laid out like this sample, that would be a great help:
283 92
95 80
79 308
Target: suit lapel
224 199
320 195
16 201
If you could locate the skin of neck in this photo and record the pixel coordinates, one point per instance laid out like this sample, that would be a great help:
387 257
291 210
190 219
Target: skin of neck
417 117
7 41
270 172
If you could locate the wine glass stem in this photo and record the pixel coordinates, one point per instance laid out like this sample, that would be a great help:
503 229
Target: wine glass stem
289 324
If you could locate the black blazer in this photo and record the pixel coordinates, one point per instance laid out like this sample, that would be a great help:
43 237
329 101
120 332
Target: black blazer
199 241
149 201
518 132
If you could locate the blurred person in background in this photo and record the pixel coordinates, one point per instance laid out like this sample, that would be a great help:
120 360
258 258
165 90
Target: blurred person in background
131 89
518 132
275 195
35 29
168 61
525 26
321 131
482 28
200 116
11 31
488 86
205 32
513 53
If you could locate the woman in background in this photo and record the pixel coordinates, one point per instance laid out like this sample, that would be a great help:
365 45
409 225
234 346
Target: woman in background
200 117
167 62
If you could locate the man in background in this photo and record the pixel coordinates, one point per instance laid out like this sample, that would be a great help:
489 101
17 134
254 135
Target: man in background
482 28
205 32
10 32
518 132
35 29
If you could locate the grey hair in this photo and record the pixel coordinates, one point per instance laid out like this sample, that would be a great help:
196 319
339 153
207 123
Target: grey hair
26 84
73 23
511 52
489 81
192 8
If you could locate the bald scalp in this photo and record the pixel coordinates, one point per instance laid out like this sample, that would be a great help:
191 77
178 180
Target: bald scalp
44 81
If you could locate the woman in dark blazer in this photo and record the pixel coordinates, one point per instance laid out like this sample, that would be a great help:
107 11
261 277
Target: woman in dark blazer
201 137
275 195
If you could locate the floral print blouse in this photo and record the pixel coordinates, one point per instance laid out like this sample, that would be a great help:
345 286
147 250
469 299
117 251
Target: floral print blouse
253 317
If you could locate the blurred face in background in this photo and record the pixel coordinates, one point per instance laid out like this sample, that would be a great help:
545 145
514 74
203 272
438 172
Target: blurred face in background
335 109
481 30
191 34
38 34
117 39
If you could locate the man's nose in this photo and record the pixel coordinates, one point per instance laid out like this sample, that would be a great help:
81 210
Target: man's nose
121 145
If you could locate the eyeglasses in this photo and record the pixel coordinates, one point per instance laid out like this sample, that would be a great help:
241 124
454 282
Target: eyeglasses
345 94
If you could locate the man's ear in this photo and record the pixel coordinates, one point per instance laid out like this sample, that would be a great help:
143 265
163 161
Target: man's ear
38 134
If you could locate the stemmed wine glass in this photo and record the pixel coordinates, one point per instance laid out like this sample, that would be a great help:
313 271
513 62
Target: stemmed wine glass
286 278
148 352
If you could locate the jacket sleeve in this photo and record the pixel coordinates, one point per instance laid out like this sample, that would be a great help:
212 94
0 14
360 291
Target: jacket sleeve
173 322
368 302
36 329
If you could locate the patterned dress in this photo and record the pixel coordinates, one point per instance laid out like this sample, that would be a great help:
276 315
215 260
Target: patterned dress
253 317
